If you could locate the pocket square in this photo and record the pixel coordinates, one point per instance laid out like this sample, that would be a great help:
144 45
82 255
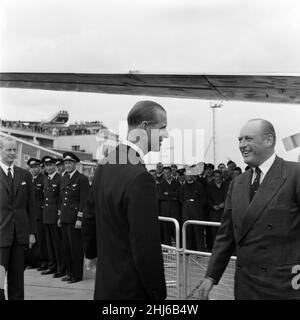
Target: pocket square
24 182
74 185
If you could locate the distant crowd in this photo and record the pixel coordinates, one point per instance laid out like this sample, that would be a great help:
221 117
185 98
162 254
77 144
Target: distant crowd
76 129
184 195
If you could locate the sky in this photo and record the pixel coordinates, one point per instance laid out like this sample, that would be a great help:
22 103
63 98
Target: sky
165 36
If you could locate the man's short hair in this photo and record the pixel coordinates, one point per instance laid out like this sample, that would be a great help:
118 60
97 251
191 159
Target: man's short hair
231 162
238 169
152 170
3 139
268 127
168 168
209 166
145 110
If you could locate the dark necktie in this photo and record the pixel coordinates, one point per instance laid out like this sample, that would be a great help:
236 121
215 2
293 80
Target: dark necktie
255 185
10 180
68 177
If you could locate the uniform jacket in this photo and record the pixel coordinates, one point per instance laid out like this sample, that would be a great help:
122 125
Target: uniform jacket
74 194
52 199
265 232
17 208
215 195
38 195
193 191
169 204
121 228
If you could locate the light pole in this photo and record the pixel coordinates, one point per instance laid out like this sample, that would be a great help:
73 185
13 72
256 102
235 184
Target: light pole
214 106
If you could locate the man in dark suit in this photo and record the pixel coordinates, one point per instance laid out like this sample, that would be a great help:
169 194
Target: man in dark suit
74 192
216 200
193 199
121 226
38 205
262 220
168 195
52 203
60 166
17 220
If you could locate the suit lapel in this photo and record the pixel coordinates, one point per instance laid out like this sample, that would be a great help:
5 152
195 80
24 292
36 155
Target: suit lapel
17 177
73 177
267 190
243 194
3 180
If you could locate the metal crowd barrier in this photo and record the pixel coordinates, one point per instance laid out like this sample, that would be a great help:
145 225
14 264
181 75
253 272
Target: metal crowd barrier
194 267
171 258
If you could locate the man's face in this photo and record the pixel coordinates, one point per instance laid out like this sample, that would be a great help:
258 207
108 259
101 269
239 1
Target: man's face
70 166
35 170
231 166
209 172
174 169
217 177
50 167
60 168
159 167
235 173
254 145
189 178
8 152
181 178
157 131
222 167
167 174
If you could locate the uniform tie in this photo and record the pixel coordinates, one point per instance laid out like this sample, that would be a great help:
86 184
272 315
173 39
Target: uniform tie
10 180
255 185
68 177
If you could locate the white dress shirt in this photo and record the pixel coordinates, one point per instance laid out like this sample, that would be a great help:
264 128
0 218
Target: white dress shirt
5 168
71 174
264 168
52 175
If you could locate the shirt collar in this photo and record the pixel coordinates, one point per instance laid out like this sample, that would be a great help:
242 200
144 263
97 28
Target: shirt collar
52 175
5 168
135 148
265 167
72 173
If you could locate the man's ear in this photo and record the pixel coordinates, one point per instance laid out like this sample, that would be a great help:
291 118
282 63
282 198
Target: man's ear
144 125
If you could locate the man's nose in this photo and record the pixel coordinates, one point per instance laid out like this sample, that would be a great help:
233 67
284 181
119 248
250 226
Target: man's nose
242 143
165 134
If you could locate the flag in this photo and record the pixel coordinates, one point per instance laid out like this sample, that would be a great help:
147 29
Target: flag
291 142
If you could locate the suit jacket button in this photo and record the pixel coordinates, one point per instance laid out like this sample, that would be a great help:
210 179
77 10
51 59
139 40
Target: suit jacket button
264 269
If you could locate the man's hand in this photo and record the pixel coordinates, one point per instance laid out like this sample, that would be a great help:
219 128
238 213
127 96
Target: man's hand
78 224
221 205
165 193
59 224
216 208
31 240
91 264
205 288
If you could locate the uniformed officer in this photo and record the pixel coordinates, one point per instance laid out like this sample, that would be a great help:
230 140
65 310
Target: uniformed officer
52 185
193 199
74 193
60 166
38 193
